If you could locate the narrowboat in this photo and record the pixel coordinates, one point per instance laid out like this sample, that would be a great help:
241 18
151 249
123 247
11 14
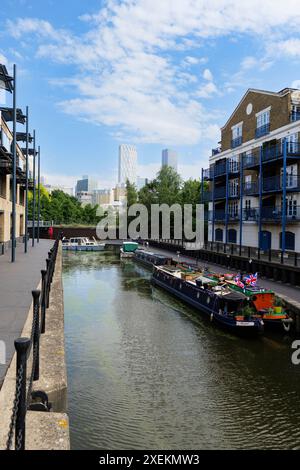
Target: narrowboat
151 259
263 301
82 244
224 307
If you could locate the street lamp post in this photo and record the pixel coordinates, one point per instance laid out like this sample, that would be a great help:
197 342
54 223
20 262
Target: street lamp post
26 188
33 208
39 194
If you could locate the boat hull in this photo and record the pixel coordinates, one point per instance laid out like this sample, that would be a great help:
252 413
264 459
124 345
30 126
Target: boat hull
84 248
249 329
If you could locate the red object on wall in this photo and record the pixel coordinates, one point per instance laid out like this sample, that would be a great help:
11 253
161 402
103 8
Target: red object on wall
50 233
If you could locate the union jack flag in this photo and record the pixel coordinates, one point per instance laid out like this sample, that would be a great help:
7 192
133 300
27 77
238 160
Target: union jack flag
238 281
251 280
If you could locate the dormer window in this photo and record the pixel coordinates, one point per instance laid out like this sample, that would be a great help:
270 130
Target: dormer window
263 122
237 138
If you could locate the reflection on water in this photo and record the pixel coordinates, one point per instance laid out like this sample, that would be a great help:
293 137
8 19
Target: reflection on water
147 372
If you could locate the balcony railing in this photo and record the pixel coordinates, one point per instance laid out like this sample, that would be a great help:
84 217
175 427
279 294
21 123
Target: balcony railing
215 151
295 116
275 183
219 215
275 213
250 214
220 169
220 193
236 142
250 160
274 151
234 191
262 130
208 173
268 214
207 196
250 188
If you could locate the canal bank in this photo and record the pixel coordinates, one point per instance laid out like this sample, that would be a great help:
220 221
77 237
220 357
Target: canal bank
146 371
47 430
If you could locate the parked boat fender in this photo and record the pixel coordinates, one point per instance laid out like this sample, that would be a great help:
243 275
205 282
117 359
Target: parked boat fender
287 324
211 317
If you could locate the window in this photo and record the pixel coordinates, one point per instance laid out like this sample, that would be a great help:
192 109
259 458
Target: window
290 206
292 143
234 187
231 235
263 118
237 131
291 176
289 241
219 235
233 209
248 182
234 164
262 122
295 115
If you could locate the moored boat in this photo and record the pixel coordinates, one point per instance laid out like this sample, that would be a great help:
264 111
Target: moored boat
221 305
82 244
128 249
263 302
151 259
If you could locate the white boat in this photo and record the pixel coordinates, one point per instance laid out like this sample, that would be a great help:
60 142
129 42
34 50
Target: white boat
82 244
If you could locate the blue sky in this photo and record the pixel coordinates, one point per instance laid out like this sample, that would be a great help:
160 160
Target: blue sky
154 73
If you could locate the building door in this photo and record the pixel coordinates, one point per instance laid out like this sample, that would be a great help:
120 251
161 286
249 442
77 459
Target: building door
265 240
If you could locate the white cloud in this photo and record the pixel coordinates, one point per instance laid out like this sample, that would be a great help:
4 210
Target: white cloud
295 84
207 75
128 77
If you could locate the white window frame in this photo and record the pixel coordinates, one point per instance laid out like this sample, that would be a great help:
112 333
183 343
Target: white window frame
237 130
263 117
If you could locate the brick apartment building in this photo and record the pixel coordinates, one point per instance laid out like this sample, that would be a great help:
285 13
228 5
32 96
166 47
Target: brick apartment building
254 176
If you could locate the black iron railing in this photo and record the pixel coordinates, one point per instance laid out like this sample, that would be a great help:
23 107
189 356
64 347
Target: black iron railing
28 355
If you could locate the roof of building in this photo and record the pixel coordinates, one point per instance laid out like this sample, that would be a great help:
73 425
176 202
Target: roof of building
278 94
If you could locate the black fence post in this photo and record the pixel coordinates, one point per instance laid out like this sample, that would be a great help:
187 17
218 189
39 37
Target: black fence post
270 255
36 334
43 301
296 260
22 346
48 283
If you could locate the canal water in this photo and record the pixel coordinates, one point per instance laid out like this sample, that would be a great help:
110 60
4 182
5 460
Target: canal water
147 372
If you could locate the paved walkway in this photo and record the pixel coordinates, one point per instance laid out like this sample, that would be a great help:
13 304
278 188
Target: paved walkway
17 280
290 292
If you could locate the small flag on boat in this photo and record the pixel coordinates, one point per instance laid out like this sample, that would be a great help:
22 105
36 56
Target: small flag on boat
238 281
251 280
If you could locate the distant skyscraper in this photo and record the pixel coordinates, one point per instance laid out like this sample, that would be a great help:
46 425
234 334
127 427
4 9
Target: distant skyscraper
127 164
170 158
141 182
86 184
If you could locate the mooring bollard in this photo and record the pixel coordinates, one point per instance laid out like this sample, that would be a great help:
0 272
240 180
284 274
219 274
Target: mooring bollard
36 334
22 346
43 301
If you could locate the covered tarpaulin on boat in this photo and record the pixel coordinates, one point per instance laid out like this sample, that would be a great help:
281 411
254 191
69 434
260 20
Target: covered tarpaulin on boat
234 296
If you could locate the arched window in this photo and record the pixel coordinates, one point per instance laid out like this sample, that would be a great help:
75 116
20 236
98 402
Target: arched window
289 240
231 235
218 235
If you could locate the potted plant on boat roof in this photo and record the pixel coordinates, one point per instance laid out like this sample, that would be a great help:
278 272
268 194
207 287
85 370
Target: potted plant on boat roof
278 304
247 312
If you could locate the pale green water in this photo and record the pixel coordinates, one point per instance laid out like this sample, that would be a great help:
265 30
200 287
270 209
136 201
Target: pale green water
147 372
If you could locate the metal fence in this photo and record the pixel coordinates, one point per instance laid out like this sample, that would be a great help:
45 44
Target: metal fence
288 258
28 360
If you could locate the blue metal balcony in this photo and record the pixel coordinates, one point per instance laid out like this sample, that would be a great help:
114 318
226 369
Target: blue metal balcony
251 160
220 193
275 183
295 116
219 215
208 173
220 169
262 130
293 148
274 213
236 142
233 216
250 214
207 196
250 189
215 151
272 152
